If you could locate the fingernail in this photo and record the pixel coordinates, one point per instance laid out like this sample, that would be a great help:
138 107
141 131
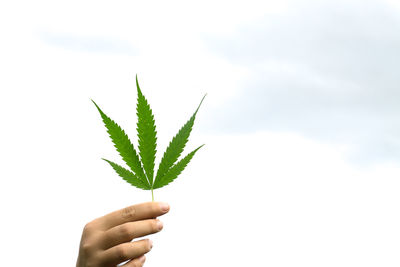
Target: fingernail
159 225
164 206
142 258
151 244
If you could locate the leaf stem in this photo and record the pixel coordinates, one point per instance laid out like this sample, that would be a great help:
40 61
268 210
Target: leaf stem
152 195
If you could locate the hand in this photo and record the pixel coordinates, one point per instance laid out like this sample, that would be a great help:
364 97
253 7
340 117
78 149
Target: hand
106 241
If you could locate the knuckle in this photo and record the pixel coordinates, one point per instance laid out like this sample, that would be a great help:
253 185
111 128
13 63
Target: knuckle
87 248
125 230
88 227
129 212
121 252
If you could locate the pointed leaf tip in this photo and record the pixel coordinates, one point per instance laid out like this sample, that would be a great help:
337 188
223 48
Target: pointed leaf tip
93 102
176 146
147 135
137 86
98 108
200 104
123 145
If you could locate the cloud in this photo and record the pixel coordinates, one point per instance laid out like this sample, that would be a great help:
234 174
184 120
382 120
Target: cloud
85 43
328 71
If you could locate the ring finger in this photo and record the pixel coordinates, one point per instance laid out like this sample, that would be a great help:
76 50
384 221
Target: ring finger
128 231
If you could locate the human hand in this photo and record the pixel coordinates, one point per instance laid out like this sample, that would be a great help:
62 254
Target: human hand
106 241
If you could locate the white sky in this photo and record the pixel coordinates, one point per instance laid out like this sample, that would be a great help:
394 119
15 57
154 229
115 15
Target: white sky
270 188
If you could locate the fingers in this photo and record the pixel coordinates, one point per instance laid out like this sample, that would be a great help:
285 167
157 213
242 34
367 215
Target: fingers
128 231
107 241
138 262
126 251
137 212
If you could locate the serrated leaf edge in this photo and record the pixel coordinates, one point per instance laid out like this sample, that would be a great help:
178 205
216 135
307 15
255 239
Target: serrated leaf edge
136 165
132 179
169 157
147 146
175 168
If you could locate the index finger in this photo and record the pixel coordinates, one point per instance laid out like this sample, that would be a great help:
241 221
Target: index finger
136 212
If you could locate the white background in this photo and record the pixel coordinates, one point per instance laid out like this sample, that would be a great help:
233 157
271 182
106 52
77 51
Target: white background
301 162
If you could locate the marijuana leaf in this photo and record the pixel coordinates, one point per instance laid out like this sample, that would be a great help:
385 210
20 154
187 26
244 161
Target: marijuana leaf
123 146
142 170
146 134
128 176
175 170
176 146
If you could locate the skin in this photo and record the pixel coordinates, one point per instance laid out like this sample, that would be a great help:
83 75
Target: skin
106 241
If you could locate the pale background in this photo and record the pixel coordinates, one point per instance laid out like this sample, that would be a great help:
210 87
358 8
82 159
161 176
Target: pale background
301 126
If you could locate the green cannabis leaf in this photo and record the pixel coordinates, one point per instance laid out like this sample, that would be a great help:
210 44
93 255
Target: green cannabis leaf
141 173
